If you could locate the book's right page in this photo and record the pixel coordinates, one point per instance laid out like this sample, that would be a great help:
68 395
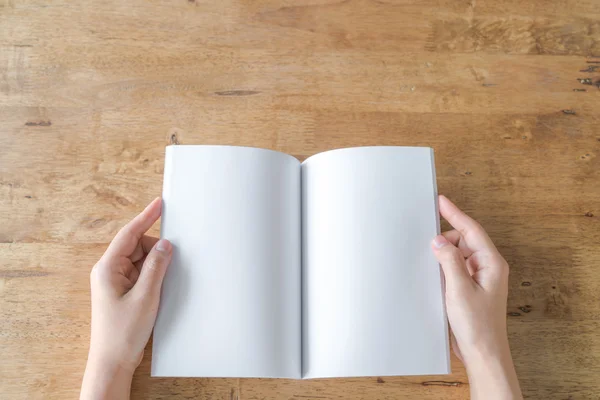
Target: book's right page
372 289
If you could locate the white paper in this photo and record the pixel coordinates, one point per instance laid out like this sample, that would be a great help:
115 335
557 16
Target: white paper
372 297
231 297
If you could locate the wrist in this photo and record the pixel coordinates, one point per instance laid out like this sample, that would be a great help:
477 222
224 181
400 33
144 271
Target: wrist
483 352
112 359
105 378
492 374
109 365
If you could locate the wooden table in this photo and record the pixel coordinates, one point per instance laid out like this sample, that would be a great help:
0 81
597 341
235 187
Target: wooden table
505 91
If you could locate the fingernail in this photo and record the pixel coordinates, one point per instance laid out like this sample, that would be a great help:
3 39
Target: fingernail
163 245
440 241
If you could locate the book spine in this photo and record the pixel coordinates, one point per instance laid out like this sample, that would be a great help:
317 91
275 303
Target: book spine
166 189
442 278
435 191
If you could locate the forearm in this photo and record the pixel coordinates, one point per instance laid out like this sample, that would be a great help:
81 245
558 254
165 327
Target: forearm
104 380
492 375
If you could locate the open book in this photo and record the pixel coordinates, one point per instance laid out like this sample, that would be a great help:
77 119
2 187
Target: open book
300 270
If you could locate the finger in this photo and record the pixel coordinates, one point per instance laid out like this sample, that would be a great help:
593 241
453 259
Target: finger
453 236
134 274
488 269
154 268
475 237
457 240
452 262
142 248
126 240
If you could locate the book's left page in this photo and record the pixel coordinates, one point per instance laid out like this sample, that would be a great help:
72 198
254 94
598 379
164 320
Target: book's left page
230 303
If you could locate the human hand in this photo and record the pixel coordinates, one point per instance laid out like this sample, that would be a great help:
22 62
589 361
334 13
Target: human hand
126 284
476 294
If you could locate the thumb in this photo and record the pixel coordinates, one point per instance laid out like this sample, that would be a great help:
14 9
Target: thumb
155 266
452 262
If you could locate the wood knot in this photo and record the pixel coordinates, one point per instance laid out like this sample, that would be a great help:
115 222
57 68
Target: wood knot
591 68
38 123
122 201
441 383
97 223
237 93
526 309
589 214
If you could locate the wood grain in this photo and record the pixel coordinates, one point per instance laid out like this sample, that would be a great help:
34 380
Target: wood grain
505 91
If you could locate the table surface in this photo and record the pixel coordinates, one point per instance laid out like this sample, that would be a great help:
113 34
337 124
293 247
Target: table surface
505 92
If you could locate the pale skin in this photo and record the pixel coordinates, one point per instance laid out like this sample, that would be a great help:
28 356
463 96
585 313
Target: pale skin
127 280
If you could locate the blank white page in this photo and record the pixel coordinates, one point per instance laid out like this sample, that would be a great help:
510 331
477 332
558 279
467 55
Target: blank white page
230 304
372 289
